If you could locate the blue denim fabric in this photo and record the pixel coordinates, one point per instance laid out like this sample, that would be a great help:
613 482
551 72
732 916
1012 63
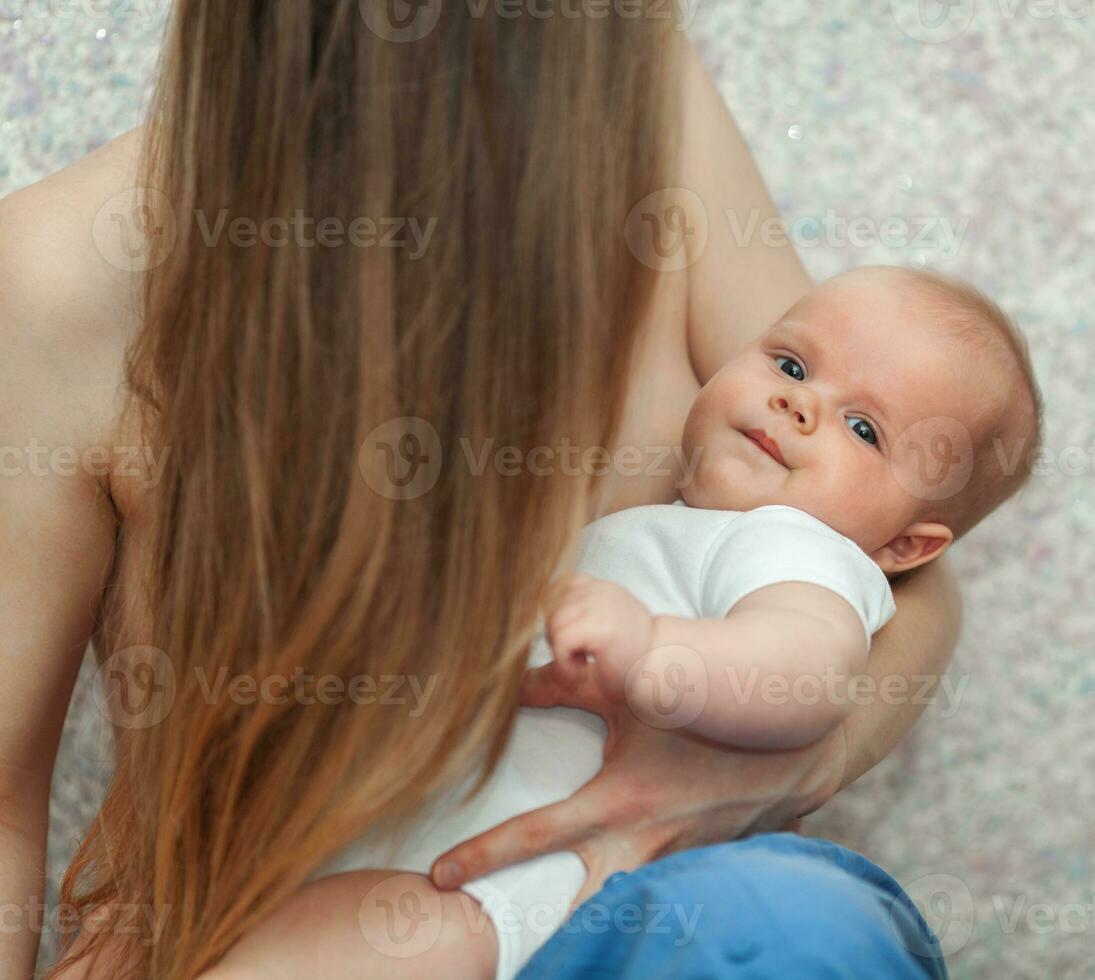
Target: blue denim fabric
771 906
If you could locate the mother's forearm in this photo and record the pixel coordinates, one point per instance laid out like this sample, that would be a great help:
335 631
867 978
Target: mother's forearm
907 659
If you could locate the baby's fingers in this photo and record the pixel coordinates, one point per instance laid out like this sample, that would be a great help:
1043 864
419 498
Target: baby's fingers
576 647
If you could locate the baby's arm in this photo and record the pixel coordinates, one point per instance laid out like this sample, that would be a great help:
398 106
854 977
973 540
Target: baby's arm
775 673
778 667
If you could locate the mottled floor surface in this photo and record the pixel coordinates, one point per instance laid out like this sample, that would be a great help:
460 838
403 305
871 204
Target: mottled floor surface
977 128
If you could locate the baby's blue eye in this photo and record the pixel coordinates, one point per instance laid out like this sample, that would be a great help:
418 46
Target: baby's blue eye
863 429
791 367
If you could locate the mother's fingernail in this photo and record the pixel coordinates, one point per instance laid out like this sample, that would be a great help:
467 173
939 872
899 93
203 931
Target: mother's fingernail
448 873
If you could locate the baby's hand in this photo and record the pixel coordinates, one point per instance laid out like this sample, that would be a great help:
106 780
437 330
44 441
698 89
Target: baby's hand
600 625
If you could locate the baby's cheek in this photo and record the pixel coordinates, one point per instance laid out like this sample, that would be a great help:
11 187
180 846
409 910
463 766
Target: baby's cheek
850 502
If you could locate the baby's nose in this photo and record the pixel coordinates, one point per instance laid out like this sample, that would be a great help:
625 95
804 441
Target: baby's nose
800 403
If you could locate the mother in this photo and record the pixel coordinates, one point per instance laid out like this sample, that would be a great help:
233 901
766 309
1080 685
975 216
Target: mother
251 370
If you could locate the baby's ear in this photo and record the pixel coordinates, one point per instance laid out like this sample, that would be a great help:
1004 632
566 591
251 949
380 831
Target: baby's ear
916 545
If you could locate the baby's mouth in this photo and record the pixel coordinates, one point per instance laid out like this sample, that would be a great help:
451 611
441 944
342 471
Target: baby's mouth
766 444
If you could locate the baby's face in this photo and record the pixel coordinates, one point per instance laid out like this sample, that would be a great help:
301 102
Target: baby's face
812 414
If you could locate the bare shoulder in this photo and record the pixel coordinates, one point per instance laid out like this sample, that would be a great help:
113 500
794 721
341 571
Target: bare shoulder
66 312
739 282
354 924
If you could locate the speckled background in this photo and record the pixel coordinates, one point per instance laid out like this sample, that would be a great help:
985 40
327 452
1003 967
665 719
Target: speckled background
972 119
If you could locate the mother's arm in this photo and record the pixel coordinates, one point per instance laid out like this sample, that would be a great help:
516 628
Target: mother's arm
913 649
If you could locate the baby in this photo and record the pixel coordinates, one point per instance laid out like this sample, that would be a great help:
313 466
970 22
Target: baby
868 428
874 423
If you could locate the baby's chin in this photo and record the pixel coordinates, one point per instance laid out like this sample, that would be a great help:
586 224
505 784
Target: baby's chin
720 494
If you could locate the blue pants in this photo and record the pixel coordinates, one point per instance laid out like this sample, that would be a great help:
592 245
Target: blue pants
770 906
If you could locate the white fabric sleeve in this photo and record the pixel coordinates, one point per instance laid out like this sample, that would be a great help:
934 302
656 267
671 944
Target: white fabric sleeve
781 544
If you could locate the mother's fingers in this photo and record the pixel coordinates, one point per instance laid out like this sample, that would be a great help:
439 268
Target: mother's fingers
549 687
556 827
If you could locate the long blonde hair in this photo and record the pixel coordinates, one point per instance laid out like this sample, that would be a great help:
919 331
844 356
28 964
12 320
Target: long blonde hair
264 370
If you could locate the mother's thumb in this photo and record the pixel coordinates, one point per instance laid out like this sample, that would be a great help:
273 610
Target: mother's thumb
540 687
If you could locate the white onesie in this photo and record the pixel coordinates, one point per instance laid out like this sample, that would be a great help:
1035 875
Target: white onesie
679 561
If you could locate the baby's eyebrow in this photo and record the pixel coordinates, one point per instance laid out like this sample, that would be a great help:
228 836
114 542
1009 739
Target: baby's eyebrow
795 328
798 325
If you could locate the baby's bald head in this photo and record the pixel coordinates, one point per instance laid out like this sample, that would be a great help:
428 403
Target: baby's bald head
1009 429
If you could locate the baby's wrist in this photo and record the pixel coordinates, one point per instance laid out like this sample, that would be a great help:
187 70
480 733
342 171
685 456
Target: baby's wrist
664 630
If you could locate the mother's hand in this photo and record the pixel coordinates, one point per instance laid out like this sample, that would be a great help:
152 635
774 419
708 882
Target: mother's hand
658 791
